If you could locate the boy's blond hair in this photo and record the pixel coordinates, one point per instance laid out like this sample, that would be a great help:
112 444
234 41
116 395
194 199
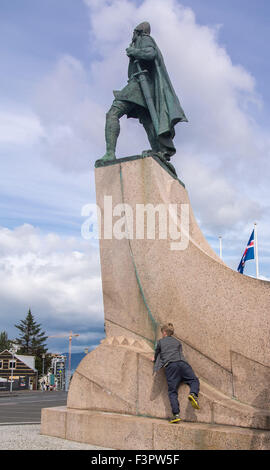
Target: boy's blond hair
168 328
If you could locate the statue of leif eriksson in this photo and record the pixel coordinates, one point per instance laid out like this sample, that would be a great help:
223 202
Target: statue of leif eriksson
148 96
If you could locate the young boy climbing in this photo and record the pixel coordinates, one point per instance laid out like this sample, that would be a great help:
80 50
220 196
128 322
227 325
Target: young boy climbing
168 354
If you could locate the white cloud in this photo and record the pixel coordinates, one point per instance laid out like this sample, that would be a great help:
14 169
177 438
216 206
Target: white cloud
218 97
19 128
220 151
73 120
222 156
222 139
219 206
59 278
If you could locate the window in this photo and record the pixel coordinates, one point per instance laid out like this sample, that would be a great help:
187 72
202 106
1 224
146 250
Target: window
1 364
12 364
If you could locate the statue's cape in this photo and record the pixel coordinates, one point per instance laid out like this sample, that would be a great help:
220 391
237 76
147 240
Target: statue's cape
166 102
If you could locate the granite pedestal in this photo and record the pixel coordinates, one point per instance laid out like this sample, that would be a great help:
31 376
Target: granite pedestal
221 317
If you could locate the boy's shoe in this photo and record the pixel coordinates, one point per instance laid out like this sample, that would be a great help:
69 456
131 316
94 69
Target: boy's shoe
175 419
194 401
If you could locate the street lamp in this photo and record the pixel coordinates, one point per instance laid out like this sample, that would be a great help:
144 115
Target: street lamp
12 351
43 358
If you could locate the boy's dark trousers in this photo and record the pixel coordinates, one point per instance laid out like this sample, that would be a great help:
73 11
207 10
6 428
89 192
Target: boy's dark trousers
177 372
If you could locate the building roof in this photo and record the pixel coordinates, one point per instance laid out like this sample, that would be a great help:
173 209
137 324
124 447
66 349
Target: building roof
29 361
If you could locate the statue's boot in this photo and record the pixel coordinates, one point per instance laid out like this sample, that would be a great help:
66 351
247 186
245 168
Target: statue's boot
112 131
158 146
164 158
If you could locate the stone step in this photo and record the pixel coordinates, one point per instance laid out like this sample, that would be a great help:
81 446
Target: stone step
126 432
118 377
223 409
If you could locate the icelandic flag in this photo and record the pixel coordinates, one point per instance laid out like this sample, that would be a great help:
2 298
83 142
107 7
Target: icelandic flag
248 253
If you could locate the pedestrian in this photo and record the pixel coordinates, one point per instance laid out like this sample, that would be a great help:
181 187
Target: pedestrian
168 354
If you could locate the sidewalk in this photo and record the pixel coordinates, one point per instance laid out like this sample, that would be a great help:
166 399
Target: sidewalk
28 437
8 394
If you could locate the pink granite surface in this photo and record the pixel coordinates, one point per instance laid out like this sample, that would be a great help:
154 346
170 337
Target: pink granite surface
221 317
116 431
115 401
118 377
216 311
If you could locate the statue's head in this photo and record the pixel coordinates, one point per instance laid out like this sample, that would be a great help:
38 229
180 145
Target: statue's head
142 28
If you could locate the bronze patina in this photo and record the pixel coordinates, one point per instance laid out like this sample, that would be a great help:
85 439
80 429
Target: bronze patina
148 96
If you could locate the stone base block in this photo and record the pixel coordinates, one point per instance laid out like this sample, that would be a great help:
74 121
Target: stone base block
117 377
125 432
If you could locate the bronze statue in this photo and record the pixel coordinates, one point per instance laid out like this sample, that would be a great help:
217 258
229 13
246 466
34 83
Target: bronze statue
149 96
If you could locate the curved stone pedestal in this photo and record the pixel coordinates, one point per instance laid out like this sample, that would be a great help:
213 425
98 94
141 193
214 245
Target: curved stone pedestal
115 401
221 317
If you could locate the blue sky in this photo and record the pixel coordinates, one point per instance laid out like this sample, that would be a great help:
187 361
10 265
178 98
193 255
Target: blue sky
60 62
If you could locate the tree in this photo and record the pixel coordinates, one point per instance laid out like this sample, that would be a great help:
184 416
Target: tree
5 343
32 340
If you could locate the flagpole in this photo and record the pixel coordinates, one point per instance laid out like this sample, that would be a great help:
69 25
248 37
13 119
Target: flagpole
256 250
220 247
